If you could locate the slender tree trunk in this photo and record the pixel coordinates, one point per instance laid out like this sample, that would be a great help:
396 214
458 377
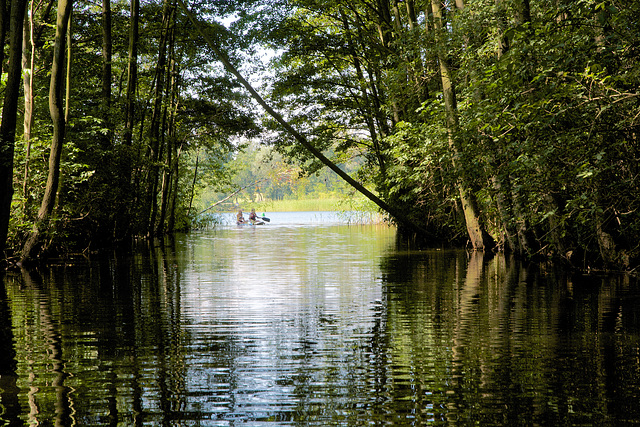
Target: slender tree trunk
156 116
384 22
502 182
477 235
606 242
173 165
4 27
57 118
9 118
171 216
126 153
165 186
132 75
193 183
106 71
505 212
501 18
28 65
67 95
523 16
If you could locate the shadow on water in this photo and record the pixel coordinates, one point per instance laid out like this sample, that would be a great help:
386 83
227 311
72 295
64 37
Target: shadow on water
316 326
9 404
511 344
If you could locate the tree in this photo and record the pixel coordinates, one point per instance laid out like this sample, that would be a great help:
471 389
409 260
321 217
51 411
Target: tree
9 116
56 87
478 236
107 48
397 214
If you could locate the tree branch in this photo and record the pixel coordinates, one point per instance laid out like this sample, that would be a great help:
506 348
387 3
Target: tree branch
397 214
233 194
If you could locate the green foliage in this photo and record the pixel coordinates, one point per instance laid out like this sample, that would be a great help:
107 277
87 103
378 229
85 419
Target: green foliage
108 191
547 110
546 139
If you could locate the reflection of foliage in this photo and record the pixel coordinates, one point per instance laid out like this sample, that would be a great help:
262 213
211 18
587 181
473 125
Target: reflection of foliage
379 335
494 342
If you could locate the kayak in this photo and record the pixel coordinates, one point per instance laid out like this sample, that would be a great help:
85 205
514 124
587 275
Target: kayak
242 224
260 220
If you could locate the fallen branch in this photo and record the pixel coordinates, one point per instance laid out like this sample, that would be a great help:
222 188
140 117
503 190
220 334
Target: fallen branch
233 194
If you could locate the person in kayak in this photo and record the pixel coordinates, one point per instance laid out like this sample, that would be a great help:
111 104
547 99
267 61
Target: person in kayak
240 217
254 218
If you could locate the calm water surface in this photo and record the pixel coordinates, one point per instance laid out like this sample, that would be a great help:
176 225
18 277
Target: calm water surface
310 322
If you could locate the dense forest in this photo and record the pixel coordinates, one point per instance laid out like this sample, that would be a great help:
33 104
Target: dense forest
501 125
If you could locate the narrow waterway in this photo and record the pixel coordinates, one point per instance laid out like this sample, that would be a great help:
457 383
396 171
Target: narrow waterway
308 321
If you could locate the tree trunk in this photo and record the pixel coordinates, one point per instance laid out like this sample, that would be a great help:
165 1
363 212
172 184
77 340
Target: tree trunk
173 165
158 114
524 12
501 18
67 95
171 216
606 242
165 186
9 118
4 26
57 118
28 65
132 74
477 235
505 212
106 71
193 182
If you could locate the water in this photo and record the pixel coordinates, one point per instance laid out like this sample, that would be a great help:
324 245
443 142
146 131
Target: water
309 322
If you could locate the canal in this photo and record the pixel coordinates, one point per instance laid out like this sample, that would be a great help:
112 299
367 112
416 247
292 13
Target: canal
308 321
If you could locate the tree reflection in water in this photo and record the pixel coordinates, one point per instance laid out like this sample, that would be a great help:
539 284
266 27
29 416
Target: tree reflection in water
331 326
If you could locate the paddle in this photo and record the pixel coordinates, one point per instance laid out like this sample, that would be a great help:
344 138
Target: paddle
264 218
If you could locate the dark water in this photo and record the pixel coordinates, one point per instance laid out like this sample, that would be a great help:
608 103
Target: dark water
321 325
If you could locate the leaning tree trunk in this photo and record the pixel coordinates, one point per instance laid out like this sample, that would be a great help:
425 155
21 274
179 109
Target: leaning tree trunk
57 118
478 237
396 213
9 117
